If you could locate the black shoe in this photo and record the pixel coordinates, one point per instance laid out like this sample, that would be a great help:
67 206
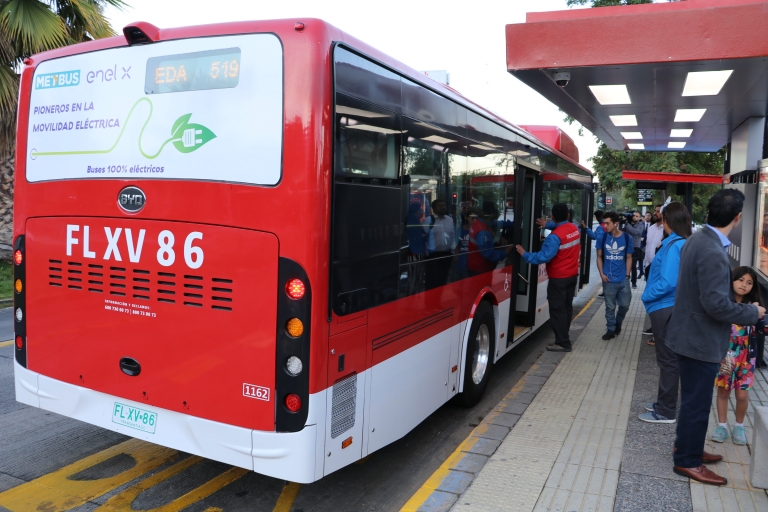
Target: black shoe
648 331
618 329
634 286
609 335
601 294
558 348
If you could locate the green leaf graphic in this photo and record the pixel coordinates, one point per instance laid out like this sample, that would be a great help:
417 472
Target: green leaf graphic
178 124
192 136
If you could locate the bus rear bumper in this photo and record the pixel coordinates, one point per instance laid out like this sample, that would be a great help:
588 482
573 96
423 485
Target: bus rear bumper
296 456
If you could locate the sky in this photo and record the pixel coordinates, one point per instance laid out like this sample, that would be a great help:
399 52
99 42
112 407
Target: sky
464 38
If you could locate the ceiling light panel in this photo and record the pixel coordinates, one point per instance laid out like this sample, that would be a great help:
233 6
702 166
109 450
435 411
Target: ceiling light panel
636 146
632 135
685 132
676 145
611 94
689 115
624 120
705 83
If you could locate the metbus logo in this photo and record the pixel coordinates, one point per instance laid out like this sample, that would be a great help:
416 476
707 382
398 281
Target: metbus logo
60 79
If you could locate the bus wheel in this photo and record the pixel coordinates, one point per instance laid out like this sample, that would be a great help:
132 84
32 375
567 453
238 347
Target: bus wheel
479 360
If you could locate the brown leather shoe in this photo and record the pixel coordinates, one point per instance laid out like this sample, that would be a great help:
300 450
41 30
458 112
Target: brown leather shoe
701 474
708 458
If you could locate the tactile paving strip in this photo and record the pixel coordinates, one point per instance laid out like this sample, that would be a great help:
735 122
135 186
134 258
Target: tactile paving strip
565 451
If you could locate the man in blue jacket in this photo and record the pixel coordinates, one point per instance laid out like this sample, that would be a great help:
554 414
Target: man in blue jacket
659 297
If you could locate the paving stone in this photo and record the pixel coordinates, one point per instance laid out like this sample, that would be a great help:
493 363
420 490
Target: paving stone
651 463
438 501
523 398
456 482
496 432
471 463
512 408
644 493
505 419
484 446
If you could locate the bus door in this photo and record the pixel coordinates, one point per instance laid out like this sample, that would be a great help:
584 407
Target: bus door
586 243
527 235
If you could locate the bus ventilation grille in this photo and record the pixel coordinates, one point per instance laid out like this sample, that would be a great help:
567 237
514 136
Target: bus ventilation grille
343 405
134 283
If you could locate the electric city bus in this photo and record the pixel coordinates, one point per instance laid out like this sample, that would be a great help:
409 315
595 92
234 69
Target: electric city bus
225 241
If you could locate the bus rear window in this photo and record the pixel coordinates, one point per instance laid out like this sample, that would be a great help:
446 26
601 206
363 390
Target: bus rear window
195 109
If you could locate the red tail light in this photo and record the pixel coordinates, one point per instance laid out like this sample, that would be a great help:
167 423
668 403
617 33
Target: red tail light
295 289
18 257
19 342
293 402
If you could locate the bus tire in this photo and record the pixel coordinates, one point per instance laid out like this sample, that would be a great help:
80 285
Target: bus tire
479 360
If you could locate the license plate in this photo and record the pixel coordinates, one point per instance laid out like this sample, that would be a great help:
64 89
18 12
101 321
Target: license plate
134 417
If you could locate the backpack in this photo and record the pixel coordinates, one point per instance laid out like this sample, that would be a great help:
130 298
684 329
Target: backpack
627 240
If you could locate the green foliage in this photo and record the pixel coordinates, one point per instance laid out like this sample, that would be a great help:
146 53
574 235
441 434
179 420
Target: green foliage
6 280
609 164
33 26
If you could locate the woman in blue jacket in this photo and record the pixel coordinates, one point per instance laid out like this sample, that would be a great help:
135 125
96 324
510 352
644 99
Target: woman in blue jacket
659 297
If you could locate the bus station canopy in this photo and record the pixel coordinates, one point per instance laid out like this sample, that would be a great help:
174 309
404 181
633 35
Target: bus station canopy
657 77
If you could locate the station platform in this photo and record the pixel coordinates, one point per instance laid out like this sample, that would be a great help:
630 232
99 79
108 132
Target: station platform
567 437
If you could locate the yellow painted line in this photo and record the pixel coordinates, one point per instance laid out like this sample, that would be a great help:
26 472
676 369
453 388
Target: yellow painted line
434 481
124 500
56 492
287 497
591 301
5 343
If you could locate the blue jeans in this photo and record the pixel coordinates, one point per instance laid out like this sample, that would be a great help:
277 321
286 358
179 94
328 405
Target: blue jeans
616 294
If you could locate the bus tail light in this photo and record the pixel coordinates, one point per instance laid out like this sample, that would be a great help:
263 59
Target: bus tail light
294 327
20 301
294 365
293 403
292 355
295 289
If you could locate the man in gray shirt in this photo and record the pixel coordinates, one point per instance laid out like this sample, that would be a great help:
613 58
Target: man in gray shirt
635 228
700 327
441 240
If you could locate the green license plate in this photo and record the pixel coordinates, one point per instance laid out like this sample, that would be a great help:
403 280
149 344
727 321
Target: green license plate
133 417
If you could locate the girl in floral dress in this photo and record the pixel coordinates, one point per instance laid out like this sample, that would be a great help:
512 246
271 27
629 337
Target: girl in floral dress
737 369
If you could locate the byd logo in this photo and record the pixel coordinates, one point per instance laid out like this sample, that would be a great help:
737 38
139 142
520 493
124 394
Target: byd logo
131 199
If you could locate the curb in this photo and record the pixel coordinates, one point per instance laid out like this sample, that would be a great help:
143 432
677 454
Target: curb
454 476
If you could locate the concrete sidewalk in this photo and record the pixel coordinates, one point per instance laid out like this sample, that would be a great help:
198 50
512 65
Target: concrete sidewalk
578 445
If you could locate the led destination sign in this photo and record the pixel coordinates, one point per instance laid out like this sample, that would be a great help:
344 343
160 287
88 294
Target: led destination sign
210 69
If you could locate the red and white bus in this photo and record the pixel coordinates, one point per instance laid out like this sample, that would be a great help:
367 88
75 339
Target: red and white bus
224 241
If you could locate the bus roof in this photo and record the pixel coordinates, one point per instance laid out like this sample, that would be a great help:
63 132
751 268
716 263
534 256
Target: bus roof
318 28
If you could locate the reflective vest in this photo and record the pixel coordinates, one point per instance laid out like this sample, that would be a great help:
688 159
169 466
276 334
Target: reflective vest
476 262
566 261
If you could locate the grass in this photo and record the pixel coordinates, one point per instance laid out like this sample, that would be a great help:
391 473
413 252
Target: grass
6 280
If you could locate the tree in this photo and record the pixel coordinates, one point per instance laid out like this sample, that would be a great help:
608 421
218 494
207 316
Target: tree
33 26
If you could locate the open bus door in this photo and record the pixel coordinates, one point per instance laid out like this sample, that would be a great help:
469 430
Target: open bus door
528 196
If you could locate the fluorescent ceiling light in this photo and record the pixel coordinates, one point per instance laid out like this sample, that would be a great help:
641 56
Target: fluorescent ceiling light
624 120
676 145
632 135
349 111
686 132
705 83
377 129
689 115
611 94
636 146
438 139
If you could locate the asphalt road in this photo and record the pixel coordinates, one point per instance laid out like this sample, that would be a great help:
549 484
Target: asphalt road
6 324
76 466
